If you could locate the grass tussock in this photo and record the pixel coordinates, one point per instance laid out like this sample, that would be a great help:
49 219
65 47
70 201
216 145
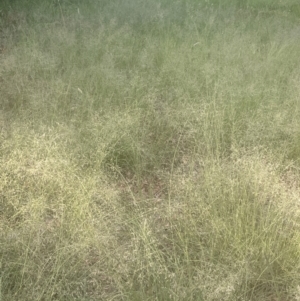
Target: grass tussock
149 151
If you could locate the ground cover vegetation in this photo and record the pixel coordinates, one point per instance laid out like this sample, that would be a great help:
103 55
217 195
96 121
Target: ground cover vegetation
149 150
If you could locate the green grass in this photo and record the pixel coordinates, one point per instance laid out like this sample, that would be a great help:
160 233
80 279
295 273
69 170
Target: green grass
149 150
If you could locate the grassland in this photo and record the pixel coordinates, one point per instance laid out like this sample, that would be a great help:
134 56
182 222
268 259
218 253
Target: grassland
149 150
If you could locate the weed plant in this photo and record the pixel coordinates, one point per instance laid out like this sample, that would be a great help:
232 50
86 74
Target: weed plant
149 150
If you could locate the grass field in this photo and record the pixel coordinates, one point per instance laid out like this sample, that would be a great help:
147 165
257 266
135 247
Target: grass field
150 150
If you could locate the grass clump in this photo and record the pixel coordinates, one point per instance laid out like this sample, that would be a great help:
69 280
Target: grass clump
149 151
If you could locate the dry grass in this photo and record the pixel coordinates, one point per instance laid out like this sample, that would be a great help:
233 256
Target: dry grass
149 151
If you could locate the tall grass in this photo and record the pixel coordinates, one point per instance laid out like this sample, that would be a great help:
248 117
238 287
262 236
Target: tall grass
149 150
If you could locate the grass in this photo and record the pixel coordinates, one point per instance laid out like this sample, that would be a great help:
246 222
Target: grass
149 150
